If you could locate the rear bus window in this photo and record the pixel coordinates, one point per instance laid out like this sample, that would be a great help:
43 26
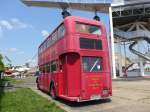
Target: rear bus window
92 64
85 28
86 43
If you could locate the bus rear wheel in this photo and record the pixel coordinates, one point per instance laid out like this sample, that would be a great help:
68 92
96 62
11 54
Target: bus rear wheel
37 83
53 92
38 86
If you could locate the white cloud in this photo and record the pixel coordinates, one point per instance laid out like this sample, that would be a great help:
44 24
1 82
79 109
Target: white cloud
44 33
6 24
11 24
18 24
13 49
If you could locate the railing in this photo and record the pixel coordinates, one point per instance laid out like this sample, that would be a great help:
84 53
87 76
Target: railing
132 34
137 52
135 36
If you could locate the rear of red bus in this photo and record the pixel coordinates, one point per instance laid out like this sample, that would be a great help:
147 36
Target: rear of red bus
87 72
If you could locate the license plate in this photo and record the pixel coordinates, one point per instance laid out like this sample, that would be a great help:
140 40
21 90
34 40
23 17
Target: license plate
95 97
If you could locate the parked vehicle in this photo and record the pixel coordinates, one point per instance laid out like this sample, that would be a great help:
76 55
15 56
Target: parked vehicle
74 61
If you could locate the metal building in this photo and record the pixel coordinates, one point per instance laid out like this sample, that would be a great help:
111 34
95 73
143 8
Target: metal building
131 27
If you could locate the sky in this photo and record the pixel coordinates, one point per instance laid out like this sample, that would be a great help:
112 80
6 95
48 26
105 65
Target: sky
23 28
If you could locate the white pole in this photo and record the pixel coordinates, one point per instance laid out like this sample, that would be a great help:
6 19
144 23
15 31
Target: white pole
112 44
140 59
141 62
120 59
141 68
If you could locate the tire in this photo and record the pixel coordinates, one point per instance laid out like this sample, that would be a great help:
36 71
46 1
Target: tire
53 92
37 83
38 87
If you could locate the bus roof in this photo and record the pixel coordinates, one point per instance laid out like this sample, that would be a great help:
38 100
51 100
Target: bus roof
73 18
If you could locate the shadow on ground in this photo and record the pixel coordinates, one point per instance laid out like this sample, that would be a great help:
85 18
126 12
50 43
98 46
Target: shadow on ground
83 104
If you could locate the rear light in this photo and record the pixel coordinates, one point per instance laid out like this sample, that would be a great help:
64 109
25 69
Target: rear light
105 91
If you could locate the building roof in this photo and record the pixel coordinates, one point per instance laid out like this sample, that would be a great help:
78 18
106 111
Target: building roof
127 11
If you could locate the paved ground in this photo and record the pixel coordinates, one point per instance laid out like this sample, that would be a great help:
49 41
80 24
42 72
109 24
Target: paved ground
129 95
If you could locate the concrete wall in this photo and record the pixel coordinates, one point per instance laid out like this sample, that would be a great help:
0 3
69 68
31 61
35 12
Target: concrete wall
133 74
147 73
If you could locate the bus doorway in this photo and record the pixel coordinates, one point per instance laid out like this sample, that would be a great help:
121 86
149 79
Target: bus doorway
70 74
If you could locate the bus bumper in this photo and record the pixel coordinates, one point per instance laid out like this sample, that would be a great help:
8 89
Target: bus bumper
79 99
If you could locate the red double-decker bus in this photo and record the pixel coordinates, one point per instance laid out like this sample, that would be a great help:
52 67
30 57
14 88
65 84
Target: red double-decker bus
74 61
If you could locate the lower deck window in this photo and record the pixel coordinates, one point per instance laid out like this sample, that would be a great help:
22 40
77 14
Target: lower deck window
47 68
54 66
92 64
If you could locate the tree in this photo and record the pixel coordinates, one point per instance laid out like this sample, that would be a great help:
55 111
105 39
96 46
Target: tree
1 65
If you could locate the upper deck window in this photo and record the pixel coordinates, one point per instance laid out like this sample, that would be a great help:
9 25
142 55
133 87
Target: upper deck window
86 28
61 31
86 43
53 38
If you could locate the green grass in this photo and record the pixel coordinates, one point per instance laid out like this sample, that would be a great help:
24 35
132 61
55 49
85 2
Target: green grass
25 100
7 79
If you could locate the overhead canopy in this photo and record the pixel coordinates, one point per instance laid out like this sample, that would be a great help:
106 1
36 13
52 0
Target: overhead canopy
97 5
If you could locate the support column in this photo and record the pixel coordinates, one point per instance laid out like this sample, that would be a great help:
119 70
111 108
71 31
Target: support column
141 67
141 62
112 44
140 59
120 64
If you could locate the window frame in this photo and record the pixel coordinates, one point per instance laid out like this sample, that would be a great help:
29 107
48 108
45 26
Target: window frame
52 38
48 68
55 62
98 26
101 64
61 35
84 40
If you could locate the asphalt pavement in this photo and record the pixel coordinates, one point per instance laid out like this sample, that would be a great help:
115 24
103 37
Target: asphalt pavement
129 95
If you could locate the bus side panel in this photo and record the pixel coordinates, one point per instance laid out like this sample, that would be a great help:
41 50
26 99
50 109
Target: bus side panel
73 74
47 81
41 81
63 77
